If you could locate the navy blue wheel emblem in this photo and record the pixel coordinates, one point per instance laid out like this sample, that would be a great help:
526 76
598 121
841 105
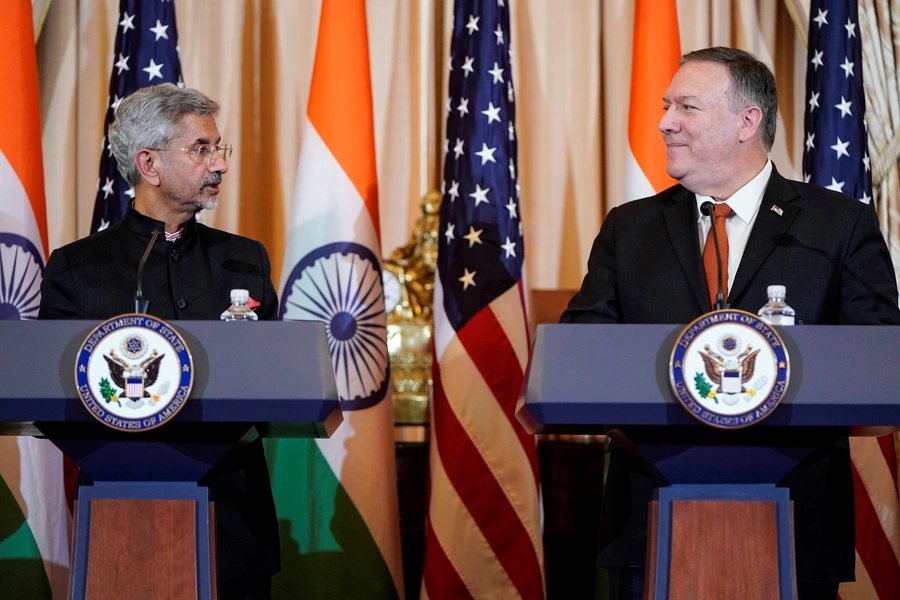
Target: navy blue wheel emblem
21 271
340 285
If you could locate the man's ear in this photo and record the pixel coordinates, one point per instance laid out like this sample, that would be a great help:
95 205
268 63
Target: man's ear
147 163
751 119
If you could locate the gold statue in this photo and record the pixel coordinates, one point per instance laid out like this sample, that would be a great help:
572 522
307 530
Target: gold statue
413 267
409 291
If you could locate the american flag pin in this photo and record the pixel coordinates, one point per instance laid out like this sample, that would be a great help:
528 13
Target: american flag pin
776 210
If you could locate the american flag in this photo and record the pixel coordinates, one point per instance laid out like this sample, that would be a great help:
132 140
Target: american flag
483 537
836 156
836 150
146 53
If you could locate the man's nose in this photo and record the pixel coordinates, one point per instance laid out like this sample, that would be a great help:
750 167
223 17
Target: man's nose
669 121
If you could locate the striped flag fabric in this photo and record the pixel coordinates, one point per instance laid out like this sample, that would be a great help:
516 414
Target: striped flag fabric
483 530
654 61
836 156
145 53
34 549
338 496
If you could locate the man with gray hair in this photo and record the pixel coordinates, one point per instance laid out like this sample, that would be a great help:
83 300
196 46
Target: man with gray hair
168 148
646 266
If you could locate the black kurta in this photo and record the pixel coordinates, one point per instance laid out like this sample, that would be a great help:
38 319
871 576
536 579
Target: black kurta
191 278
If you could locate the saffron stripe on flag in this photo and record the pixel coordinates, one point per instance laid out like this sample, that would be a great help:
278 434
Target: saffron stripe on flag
340 100
654 61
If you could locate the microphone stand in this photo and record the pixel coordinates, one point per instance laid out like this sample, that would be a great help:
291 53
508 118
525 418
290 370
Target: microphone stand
141 305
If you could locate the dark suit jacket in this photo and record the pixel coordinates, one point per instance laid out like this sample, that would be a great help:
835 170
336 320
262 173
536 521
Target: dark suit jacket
191 278
826 248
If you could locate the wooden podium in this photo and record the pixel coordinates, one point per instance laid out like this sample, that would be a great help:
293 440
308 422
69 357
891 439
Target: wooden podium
145 529
721 529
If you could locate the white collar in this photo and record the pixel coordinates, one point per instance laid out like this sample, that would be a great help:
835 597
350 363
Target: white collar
744 202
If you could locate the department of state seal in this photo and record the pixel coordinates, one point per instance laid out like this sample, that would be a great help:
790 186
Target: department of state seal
134 372
729 369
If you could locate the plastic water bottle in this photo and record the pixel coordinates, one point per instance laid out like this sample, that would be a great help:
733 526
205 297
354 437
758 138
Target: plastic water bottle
776 311
239 311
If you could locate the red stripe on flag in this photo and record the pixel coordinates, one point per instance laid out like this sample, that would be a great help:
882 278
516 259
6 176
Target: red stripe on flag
489 348
872 544
483 497
439 576
890 455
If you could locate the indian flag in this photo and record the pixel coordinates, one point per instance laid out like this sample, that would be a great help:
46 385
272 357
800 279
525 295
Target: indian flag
653 64
34 555
337 498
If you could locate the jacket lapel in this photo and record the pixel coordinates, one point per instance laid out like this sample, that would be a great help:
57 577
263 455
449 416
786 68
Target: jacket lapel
681 224
767 230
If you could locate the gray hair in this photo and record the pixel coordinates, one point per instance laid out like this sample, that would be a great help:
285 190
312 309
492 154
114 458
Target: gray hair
149 118
752 84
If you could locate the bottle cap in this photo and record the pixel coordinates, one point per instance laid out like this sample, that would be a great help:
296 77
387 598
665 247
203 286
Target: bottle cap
240 295
774 291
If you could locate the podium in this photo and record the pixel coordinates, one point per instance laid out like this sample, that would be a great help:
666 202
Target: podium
721 528
143 528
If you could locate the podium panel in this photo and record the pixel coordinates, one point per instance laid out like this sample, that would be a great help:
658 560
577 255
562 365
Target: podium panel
146 526
721 491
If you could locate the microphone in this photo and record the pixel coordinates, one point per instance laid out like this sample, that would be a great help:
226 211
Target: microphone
708 208
141 305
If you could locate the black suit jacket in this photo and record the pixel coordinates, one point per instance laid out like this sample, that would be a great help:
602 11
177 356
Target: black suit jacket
826 248
191 278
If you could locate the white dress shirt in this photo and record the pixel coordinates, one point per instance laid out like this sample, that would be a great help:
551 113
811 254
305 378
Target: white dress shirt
745 203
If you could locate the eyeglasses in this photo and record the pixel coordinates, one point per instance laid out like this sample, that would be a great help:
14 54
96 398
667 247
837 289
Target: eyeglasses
202 153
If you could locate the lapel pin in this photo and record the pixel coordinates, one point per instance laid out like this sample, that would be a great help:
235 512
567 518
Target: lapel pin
776 210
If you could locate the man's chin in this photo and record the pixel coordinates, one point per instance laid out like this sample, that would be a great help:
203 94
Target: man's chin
208 204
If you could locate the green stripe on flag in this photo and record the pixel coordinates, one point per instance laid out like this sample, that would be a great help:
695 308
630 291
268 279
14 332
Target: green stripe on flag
21 567
327 550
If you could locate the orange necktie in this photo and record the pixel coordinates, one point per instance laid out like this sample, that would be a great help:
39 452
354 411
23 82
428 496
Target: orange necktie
721 212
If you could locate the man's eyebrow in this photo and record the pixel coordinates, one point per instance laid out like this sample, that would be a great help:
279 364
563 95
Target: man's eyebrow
203 140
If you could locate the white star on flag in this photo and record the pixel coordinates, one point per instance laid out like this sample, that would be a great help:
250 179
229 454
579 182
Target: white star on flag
108 188
127 22
468 65
492 112
154 70
486 154
817 60
458 148
837 186
510 248
844 107
820 18
480 195
467 278
511 207
122 63
160 30
473 237
847 66
472 25
841 148
497 73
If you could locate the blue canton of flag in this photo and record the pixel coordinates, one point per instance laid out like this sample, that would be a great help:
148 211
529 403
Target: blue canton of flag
836 151
482 251
146 53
